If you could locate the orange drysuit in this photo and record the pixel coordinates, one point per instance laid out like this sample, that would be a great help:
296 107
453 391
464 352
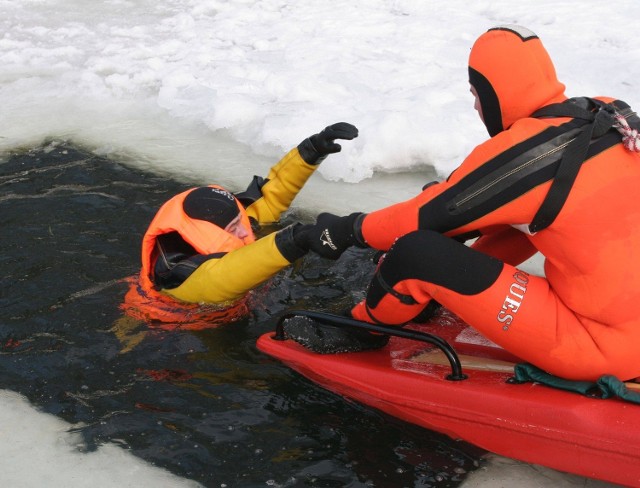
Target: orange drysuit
581 320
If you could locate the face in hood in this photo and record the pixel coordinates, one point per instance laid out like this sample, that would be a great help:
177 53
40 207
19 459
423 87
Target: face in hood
513 75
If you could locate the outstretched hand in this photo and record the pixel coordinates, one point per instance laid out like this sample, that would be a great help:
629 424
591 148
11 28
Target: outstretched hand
315 148
324 142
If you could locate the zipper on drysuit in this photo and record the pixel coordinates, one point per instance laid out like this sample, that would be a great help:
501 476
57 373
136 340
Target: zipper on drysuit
522 164
513 167
486 187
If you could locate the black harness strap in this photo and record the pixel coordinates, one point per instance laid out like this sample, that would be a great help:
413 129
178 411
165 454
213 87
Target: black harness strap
404 299
601 118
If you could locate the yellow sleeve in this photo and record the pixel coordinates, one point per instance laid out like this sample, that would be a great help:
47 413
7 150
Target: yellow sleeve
286 179
229 278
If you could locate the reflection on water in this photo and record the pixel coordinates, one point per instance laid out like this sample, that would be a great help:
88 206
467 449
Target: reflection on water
205 404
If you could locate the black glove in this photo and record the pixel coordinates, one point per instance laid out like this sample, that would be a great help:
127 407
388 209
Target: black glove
331 235
292 241
316 148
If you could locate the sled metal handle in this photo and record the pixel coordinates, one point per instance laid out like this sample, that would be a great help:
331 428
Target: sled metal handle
332 320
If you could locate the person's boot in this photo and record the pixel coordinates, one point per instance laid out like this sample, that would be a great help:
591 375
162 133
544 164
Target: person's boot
327 339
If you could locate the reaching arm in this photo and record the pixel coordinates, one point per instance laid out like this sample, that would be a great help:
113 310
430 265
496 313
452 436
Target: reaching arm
281 186
229 277
289 175
463 205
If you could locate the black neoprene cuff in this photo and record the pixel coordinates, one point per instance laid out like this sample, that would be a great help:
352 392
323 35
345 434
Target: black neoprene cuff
309 153
287 245
358 238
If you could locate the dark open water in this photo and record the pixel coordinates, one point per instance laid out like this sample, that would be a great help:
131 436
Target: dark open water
207 404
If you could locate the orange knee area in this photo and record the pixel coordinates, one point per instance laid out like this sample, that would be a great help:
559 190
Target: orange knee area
389 311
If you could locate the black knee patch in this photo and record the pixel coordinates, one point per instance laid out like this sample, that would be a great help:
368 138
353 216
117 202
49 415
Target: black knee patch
429 256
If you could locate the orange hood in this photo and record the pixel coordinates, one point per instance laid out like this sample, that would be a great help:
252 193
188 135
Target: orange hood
513 75
204 236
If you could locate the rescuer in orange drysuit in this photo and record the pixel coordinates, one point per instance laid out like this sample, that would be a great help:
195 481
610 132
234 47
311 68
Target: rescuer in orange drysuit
558 176
200 248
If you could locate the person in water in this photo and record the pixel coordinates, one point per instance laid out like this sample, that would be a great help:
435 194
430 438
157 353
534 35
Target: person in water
558 176
200 247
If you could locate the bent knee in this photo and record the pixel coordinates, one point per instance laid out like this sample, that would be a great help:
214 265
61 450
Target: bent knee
429 256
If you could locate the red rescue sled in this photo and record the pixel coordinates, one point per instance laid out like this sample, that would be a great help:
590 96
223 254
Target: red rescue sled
533 423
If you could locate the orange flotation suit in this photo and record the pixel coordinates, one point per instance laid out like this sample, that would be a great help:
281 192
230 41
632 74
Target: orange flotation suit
144 302
581 320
